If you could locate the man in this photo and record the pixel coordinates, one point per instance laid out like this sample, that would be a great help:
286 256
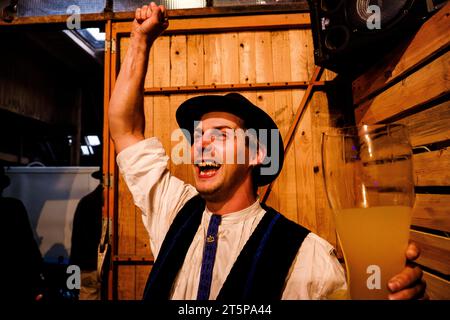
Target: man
215 240
86 233
22 264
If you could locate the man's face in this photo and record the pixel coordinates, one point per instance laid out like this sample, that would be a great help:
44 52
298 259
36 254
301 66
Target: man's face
217 170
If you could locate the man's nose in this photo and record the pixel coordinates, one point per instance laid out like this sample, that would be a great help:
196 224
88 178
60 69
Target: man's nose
204 142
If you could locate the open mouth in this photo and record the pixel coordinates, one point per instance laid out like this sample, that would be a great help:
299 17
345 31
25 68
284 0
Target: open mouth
207 168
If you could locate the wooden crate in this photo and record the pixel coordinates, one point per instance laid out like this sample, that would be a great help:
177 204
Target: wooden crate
412 86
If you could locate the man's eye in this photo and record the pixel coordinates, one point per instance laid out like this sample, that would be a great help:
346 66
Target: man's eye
223 135
220 136
197 135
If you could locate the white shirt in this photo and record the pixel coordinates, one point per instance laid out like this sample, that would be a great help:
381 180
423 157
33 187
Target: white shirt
314 274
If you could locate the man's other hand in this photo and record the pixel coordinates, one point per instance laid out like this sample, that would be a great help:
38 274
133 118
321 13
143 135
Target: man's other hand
409 283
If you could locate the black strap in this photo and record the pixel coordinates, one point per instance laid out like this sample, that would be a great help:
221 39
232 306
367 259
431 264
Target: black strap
261 269
174 249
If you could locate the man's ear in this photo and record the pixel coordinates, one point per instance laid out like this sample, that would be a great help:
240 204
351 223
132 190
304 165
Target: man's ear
257 158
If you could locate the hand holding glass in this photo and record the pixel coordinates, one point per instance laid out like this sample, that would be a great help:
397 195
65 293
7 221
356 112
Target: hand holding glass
369 182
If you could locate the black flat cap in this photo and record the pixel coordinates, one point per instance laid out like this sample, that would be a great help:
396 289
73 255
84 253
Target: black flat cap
254 118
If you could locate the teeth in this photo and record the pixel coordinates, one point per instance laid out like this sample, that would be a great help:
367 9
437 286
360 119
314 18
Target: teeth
208 164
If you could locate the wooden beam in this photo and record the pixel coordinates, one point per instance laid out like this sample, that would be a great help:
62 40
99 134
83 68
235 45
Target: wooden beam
421 87
432 211
429 126
437 288
226 24
231 87
133 259
432 37
298 116
435 251
301 6
432 168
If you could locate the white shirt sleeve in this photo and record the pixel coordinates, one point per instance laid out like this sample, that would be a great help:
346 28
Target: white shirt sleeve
155 191
315 273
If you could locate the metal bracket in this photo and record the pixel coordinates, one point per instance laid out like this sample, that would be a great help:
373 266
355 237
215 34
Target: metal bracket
107 45
108 181
113 46
110 45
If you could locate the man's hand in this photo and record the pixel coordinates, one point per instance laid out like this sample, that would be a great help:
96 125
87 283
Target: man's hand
150 21
409 284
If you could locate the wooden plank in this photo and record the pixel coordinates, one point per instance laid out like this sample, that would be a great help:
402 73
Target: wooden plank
437 288
126 220
328 75
142 236
285 85
149 76
432 37
181 171
266 101
303 166
178 58
422 86
161 122
321 121
229 56
241 23
212 60
429 126
126 240
432 211
161 63
301 55
126 284
148 113
281 56
247 57
435 251
178 77
287 189
142 273
264 73
432 168
300 6
161 104
124 43
263 54
195 64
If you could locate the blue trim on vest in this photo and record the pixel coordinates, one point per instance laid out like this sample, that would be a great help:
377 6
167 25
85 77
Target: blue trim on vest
166 253
259 251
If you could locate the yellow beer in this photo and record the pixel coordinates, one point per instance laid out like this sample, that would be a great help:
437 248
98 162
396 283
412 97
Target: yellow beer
374 242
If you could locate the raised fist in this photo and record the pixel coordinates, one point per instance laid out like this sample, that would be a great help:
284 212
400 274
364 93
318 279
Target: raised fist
150 21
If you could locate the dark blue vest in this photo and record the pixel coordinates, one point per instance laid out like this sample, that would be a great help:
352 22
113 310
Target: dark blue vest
260 271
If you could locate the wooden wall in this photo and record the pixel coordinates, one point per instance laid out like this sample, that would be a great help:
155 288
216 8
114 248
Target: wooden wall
412 86
26 85
240 51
